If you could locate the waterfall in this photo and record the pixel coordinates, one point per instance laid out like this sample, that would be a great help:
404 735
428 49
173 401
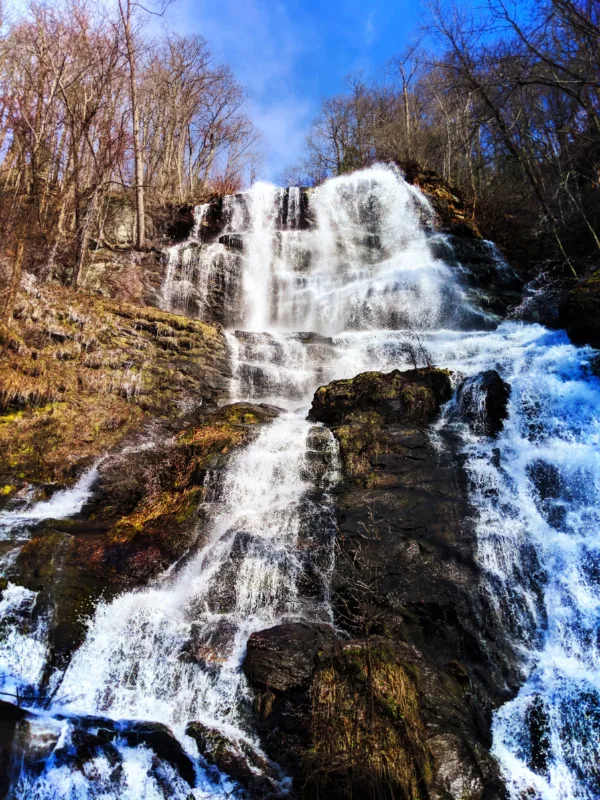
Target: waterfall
314 286
364 260
243 579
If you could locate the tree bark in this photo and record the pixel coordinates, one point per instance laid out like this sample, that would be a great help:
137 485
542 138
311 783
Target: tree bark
125 11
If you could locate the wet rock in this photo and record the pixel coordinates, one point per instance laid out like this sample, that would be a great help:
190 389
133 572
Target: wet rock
463 770
90 737
542 298
236 758
10 717
314 338
426 665
482 402
233 241
147 512
161 740
491 284
580 312
538 728
413 397
222 595
210 645
283 657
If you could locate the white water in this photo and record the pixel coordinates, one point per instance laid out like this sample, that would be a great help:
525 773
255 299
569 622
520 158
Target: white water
23 632
364 263
244 579
361 272
63 504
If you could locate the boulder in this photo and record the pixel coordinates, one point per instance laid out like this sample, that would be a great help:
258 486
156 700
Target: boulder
413 397
580 311
236 758
482 402
283 657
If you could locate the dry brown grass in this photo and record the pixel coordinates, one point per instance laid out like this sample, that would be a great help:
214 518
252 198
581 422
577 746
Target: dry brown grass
368 737
77 373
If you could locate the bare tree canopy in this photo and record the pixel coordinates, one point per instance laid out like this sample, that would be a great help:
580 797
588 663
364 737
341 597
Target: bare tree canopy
89 107
505 105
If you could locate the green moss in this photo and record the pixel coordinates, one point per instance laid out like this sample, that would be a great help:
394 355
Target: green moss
7 490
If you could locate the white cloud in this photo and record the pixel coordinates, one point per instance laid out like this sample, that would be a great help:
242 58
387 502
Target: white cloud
266 49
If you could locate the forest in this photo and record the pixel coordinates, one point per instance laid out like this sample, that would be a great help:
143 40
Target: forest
505 105
92 107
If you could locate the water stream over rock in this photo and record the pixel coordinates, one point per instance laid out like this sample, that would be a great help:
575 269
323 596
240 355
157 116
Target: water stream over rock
314 287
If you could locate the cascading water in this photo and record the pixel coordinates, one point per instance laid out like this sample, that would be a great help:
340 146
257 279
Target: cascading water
324 285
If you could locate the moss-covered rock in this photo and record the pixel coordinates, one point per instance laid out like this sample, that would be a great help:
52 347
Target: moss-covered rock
79 373
413 397
368 735
580 311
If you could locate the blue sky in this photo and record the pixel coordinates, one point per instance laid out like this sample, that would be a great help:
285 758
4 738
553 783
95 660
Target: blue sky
292 53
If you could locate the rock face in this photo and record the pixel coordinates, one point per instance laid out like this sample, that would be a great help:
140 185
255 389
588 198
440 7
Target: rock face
124 275
148 510
79 373
580 312
403 707
414 396
482 402
490 282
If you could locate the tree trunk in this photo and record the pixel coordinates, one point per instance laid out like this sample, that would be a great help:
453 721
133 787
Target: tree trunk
125 10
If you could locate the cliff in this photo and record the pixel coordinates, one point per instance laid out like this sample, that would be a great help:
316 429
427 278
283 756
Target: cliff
78 374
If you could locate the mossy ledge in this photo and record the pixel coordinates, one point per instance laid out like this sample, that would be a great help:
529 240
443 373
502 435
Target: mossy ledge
79 373
148 510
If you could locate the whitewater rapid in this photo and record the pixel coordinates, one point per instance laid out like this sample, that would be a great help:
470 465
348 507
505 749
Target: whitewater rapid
361 276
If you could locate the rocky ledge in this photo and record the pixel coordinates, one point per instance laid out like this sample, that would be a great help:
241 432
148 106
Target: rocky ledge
396 701
148 510
78 374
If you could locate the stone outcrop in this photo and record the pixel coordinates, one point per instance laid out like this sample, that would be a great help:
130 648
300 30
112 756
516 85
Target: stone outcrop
403 705
580 311
148 510
78 374
413 397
